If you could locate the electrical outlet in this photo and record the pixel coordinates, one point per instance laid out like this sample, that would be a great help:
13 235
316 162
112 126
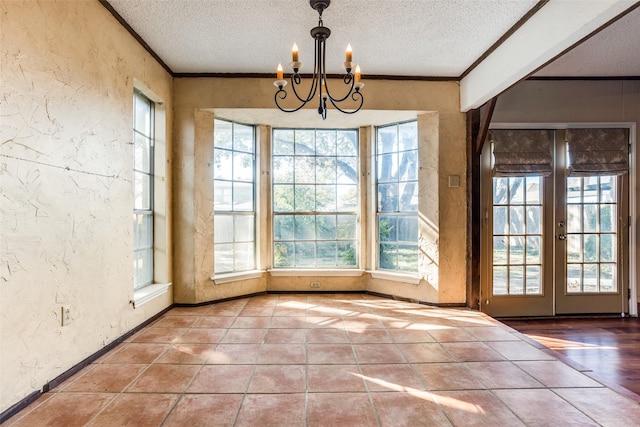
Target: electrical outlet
66 315
315 285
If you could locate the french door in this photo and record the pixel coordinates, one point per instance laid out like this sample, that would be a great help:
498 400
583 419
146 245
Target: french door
554 243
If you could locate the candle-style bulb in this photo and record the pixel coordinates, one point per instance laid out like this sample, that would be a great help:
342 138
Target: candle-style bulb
358 74
280 72
349 53
294 53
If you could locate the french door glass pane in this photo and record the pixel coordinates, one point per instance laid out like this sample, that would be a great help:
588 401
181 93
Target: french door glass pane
591 235
517 236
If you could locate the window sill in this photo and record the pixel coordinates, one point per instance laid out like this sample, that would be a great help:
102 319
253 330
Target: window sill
235 277
331 273
411 279
149 293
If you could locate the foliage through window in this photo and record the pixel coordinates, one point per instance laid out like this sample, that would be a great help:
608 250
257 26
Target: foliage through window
143 190
234 197
397 197
315 198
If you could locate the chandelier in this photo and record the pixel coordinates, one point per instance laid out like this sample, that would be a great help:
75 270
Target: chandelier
319 84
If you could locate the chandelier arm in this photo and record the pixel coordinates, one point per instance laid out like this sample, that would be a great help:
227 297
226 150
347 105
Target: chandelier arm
354 96
282 94
349 93
296 81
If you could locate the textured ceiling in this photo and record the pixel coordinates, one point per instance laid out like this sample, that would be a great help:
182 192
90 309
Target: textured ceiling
431 38
614 51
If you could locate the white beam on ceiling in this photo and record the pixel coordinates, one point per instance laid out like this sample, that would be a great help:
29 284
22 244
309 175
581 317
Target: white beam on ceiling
557 26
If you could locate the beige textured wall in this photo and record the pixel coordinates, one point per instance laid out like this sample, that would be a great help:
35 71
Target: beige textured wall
66 196
443 148
564 102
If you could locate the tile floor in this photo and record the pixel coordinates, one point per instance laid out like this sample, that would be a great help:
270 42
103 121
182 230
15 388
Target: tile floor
329 360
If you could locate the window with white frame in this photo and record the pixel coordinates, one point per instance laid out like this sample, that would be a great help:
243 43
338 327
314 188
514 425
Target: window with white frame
315 198
143 158
397 197
234 197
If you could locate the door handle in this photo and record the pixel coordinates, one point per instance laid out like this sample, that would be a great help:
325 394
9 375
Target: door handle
562 237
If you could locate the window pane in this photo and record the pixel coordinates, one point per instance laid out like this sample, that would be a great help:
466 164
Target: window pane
574 218
326 254
534 219
244 256
387 168
222 196
347 198
142 113
408 135
516 280
408 167
283 169
283 198
590 278
574 248
590 188
387 228
516 250
141 153
516 220
607 189
283 141
223 258
590 217
500 280
347 255
534 193
608 280
283 255
244 228
142 191
143 267
326 198
408 258
347 170
388 256
408 228
243 167
304 170
533 250
347 226
283 227
326 227
590 248
222 228
347 142
305 226
516 191
500 250
408 197
533 281
222 165
500 191
608 248
242 196
305 254
574 278
305 198
388 197
222 134
243 138
574 190
142 230
607 218
325 170
326 143
500 220
387 139
305 143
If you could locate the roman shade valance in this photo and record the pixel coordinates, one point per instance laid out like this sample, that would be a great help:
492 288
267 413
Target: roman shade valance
598 151
521 152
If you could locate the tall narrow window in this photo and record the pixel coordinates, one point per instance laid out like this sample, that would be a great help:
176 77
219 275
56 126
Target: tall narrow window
315 198
397 191
143 124
234 197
